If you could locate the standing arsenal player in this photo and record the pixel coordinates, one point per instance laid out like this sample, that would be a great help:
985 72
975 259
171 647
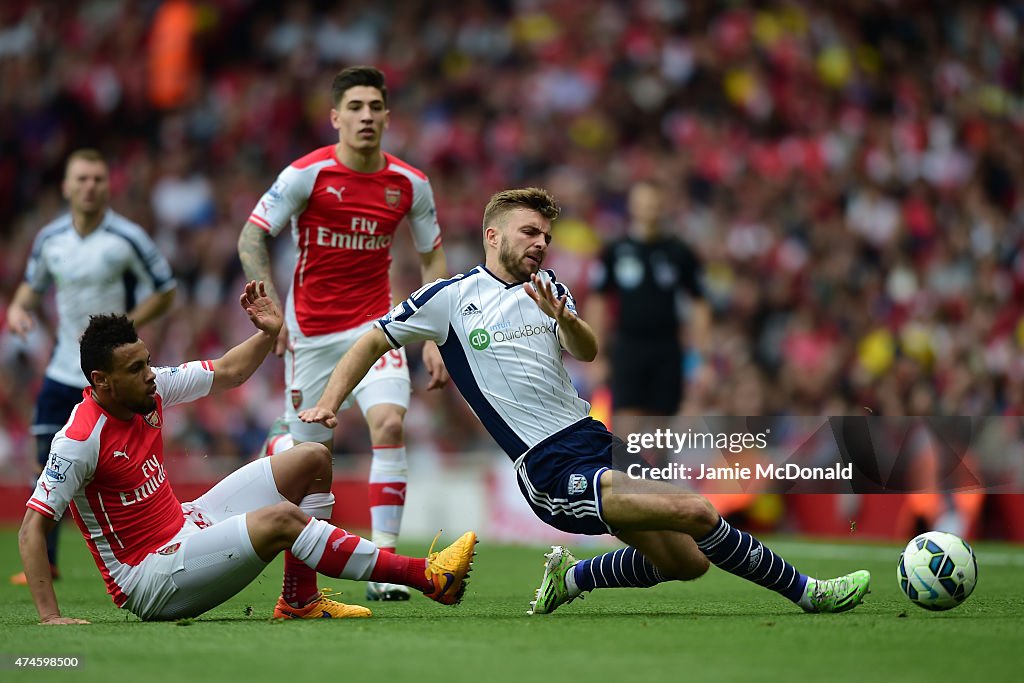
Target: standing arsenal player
163 559
344 203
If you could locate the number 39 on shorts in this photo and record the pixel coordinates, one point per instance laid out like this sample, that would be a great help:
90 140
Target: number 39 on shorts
392 358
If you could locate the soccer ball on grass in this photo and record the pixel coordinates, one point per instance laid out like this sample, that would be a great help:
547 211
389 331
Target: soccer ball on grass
937 570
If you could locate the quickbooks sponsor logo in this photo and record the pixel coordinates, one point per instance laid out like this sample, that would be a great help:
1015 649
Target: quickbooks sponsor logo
479 339
526 331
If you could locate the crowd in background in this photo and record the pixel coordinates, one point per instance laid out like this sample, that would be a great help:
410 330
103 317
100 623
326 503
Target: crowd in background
850 173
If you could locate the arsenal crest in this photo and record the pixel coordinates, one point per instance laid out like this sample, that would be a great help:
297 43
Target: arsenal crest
169 550
296 398
392 195
153 419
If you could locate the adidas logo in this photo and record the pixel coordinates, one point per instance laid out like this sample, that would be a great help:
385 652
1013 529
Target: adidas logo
471 309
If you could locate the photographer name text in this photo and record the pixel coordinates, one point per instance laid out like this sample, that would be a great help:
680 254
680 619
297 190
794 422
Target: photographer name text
737 472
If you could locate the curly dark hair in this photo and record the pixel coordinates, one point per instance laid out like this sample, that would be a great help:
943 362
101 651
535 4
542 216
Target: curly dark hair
104 334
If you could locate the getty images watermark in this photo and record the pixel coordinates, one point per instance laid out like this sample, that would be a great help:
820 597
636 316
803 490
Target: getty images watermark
667 440
857 454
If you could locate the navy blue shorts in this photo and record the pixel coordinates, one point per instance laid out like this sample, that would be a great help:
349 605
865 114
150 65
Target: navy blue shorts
53 408
560 477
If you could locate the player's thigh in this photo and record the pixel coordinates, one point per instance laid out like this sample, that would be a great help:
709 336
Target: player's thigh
386 384
630 504
248 488
674 553
54 405
215 564
308 367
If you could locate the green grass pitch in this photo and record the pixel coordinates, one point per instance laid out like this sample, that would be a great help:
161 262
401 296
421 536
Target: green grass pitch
719 628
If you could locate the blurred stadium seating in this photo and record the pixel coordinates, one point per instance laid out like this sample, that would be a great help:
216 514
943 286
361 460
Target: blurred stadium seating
850 172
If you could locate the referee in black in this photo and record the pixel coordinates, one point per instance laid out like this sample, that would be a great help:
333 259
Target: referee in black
650 273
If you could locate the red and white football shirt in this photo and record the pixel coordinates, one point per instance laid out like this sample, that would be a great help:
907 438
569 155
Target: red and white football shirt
111 472
344 223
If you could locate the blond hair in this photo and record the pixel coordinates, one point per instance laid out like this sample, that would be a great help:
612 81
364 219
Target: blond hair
533 198
84 154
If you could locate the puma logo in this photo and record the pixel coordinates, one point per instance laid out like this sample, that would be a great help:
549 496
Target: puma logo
341 539
394 492
336 191
46 489
120 454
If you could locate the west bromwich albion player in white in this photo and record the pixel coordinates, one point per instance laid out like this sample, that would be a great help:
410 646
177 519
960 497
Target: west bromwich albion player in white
568 467
94 274
502 351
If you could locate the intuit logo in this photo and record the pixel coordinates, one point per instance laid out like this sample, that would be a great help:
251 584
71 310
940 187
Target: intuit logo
479 339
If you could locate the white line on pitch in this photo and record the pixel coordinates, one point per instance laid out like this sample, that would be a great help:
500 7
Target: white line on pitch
880 554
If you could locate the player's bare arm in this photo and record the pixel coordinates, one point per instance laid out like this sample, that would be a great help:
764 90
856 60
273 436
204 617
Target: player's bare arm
352 367
434 266
32 546
254 253
573 332
597 315
238 364
19 313
152 307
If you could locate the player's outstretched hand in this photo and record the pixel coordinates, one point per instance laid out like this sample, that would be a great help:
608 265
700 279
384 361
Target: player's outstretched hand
543 294
62 621
435 366
19 321
319 414
262 310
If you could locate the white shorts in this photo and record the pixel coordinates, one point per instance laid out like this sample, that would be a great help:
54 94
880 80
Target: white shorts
211 558
309 363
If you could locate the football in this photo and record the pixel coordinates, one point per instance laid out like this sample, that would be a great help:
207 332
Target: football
937 570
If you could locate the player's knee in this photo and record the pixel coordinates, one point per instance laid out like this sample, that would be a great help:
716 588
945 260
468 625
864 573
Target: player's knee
316 456
684 566
387 426
694 567
286 519
691 513
700 515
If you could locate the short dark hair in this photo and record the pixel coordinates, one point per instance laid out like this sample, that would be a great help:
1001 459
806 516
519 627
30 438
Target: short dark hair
104 334
535 198
358 75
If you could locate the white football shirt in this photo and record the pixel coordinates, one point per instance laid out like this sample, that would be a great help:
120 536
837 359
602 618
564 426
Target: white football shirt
98 273
501 350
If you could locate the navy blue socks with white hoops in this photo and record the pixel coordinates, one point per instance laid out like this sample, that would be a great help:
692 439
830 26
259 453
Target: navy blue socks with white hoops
739 553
